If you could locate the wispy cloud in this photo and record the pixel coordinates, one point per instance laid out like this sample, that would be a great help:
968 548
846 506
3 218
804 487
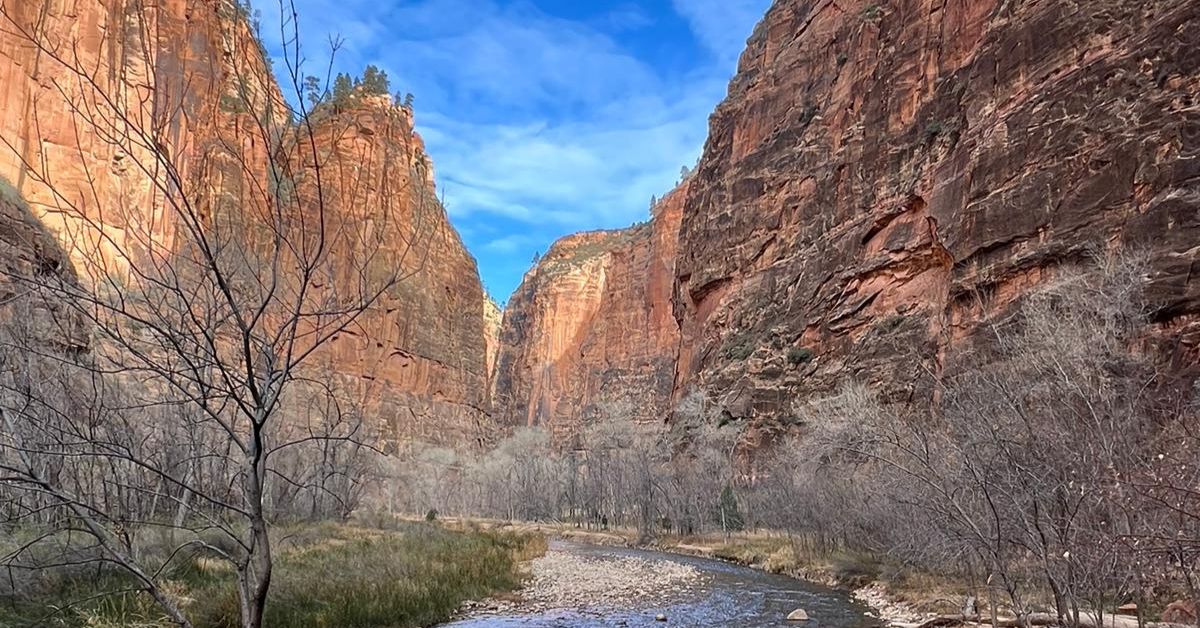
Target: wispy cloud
541 124
722 25
508 244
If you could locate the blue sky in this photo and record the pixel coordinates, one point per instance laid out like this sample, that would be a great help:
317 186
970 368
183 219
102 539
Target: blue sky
543 117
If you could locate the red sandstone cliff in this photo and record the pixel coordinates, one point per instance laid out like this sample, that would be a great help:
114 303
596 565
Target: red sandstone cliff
590 331
493 318
92 85
190 81
420 353
884 175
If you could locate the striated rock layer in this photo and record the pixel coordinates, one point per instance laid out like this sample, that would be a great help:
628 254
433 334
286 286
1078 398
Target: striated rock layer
590 332
883 176
190 81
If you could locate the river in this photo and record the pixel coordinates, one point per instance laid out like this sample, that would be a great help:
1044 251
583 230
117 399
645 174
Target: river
696 592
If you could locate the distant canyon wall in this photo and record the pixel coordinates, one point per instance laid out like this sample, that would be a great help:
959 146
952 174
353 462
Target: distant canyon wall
591 333
191 78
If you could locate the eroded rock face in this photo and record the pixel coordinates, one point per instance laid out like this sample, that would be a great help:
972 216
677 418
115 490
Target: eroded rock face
95 89
883 176
590 331
29 315
418 355
194 79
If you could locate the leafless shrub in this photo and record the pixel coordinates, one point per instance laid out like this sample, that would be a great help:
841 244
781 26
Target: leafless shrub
1055 467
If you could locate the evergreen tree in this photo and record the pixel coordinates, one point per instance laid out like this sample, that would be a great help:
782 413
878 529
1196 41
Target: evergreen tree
375 81
343 89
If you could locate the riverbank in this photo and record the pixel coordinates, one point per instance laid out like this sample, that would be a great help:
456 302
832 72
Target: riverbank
388 573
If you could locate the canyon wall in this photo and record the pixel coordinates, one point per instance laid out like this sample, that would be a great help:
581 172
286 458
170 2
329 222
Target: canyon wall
111 106
590 332
882 179
885 176
110 103
493 319
418 357
28 249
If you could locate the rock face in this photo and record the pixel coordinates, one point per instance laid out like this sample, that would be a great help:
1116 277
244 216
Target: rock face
418 357
493 318
172 71
882 178
590 331
191 74
885 175
28 249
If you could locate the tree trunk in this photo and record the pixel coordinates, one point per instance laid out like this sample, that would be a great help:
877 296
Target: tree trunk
256 577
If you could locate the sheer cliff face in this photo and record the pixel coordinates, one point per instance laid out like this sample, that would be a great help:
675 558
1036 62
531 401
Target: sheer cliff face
191 75
590 331
92 85
418 357
883 176
492 320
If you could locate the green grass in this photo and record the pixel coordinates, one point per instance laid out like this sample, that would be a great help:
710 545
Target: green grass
325 577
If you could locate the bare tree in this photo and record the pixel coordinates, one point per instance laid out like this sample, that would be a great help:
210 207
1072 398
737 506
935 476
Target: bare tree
1029 468
203 393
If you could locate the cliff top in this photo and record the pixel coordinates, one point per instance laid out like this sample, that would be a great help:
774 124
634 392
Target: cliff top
573 250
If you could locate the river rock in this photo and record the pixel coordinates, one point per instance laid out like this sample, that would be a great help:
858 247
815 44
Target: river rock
798 615
660 617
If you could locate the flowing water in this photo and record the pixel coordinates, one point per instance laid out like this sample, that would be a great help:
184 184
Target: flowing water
728 595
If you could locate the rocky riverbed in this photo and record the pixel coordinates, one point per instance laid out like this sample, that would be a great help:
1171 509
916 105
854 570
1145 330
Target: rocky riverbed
889 611
583 585
592 584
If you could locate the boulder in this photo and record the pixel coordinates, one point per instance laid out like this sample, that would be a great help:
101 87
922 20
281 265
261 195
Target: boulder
798 615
